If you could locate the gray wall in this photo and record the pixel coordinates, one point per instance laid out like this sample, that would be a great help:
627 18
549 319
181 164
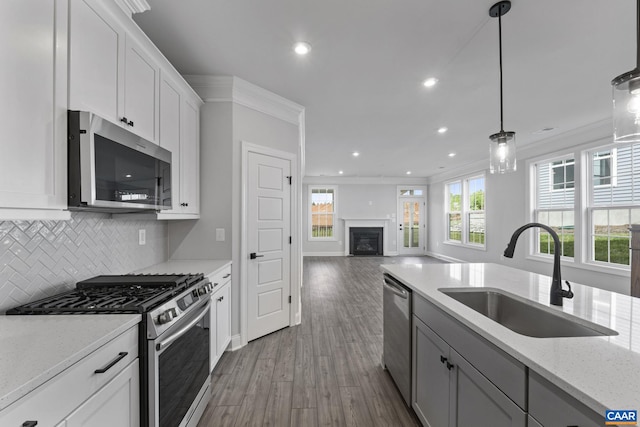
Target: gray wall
223 128
358 201
506 200
42 258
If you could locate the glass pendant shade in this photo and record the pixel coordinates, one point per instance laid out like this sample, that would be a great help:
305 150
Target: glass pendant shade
502 152
626 107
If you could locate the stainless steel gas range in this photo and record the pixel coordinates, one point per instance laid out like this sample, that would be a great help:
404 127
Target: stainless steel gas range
174 336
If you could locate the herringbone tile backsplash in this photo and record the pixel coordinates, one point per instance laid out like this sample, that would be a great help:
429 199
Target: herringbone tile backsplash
42 258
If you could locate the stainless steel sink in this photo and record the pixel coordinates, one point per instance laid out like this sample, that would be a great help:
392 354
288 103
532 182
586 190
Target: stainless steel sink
523 316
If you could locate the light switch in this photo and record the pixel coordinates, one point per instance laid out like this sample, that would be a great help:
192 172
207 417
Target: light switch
142 237
220 234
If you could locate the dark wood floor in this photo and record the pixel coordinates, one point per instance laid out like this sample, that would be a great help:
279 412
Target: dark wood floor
324 372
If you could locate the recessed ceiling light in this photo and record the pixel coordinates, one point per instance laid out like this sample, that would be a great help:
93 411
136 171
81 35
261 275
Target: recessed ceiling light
302 48
443 129
452 154
128 175
430 82
340 172
355 154
408 172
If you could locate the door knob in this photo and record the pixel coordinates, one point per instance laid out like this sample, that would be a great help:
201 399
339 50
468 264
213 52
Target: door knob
253 255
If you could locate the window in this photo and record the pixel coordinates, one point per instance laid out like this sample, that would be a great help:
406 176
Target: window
454 211
555 204
411 192
475 214
609 201
322 213
466 211
562 173
614 202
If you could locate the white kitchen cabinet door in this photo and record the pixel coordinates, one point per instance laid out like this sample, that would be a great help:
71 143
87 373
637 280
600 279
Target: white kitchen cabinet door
116 404
213 332
96 60
190 158
169 138
223 319
33 113
141 79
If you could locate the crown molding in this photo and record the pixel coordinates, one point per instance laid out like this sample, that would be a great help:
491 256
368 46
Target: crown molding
133 6
363 180
583 136
234 89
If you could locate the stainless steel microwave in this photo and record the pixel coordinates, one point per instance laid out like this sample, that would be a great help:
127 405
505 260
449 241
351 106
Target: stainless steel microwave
112 169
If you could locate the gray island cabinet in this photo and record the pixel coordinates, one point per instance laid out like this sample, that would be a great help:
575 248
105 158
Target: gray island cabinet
468 370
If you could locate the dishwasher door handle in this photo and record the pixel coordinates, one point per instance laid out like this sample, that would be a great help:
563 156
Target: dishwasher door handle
396 289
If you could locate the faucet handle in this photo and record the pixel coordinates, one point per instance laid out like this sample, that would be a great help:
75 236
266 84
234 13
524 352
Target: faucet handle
567 294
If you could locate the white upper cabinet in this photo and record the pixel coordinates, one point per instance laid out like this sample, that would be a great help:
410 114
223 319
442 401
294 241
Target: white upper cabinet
189 158
170 108
96 60
110 73
140 91
33 110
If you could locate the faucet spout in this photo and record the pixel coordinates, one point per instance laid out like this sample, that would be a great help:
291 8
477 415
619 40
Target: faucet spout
557 293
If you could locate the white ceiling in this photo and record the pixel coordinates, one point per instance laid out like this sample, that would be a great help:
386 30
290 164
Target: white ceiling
361 83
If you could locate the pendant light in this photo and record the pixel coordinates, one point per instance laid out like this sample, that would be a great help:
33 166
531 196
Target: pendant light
502 149
626 98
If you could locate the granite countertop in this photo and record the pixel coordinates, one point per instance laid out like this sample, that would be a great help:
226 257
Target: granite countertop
601 372
37 348
207 266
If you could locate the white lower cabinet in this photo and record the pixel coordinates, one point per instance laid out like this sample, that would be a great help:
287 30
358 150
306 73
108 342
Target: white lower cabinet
101 389
220 314
116 404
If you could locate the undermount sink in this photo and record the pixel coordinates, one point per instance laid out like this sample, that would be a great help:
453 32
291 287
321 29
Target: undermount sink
523 316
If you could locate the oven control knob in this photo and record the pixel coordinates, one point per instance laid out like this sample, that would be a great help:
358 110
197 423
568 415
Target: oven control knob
206 289
167 316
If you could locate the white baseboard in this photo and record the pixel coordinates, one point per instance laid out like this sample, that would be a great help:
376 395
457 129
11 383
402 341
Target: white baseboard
391 253
341 253
236 343
298 318
444 257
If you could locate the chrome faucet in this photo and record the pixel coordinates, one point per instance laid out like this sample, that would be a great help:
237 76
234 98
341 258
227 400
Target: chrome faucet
557 293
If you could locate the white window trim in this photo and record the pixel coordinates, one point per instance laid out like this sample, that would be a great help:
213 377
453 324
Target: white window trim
582 216
464 212
310 237
614 167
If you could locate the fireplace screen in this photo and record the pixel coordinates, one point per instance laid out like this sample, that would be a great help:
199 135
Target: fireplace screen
365 240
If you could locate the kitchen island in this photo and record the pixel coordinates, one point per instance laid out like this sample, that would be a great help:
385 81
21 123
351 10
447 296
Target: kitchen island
600 372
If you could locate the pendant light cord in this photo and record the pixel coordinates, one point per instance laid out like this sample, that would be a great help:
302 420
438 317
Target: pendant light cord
500 47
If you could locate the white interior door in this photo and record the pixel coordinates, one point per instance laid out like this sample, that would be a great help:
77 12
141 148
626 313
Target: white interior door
411 226
268 242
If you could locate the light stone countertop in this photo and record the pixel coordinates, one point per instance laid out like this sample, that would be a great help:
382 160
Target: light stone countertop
207 266
601 372
34 349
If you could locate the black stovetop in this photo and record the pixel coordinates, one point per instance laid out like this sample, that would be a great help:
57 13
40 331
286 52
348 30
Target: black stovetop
112 294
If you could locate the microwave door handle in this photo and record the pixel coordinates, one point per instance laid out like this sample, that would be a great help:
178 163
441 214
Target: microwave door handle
167 341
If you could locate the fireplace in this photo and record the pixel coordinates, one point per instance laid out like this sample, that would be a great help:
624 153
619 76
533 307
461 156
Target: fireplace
365 240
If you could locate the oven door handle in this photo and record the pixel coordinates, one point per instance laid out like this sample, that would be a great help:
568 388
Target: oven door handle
167 341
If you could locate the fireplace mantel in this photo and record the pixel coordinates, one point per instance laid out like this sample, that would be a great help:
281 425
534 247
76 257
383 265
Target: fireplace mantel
366 222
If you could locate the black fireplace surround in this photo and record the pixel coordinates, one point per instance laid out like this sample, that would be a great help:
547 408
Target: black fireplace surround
365 241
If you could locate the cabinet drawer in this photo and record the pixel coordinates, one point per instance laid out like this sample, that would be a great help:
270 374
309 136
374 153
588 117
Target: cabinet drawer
504 371
221 277
54 400
553 407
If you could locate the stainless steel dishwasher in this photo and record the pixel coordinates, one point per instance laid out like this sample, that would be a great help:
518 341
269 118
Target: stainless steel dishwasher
396 356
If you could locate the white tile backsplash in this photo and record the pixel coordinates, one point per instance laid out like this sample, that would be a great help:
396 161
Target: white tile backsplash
41 258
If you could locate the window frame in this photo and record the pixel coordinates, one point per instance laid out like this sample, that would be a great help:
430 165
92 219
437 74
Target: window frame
564 166
310 236
583 208
465 211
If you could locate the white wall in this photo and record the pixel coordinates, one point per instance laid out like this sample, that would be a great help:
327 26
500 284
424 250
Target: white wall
506 201
224 126
371 198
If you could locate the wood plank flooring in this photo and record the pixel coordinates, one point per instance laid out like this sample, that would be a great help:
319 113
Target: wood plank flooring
324 372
